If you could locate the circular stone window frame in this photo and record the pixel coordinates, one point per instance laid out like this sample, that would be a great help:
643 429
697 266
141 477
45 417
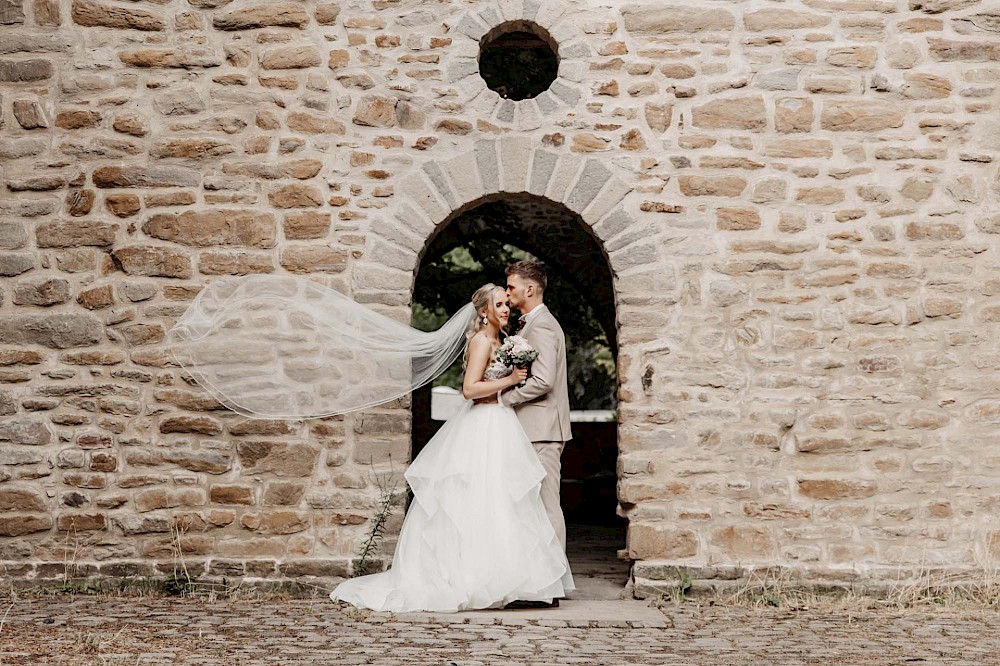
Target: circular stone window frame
554 18
542 37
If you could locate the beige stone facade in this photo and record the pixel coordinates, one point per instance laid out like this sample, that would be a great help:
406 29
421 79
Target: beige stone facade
797 201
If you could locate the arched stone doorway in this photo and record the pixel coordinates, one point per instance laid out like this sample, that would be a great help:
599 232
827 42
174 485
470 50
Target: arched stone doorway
580 274
431 198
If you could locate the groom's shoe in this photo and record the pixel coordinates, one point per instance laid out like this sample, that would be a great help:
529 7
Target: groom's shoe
522 604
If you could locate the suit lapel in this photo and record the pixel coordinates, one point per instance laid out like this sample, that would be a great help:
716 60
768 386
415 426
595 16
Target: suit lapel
524 329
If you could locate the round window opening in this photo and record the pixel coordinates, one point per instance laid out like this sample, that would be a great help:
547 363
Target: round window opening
518 60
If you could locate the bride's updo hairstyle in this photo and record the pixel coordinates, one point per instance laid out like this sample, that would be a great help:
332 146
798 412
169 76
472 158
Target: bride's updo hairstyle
483 298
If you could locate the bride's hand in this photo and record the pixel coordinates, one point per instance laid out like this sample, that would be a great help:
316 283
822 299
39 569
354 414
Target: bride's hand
518 376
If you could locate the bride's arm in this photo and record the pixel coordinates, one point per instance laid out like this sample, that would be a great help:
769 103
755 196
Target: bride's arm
474 387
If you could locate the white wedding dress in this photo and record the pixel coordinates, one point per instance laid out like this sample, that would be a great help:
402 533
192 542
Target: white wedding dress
476 534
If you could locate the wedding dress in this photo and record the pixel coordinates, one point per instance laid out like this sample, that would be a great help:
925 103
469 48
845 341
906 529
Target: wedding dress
476 534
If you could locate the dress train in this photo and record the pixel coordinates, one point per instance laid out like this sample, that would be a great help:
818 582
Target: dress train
476 534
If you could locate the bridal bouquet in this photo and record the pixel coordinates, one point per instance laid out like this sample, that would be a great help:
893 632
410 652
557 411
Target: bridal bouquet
515 352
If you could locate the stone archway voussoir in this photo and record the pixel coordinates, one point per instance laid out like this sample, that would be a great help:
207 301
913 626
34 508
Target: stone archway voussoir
563 32
462 68
490 16
511 10
369 275
489 165
550 12
576 51
439 180
424 196
415 220
613 223
463 171
587 186
613 193
634 254
515 161
388 254
403 235
563 176
472 27
485 103
543 164
471 87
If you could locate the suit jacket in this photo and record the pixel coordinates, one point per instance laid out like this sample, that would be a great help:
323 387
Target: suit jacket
542 404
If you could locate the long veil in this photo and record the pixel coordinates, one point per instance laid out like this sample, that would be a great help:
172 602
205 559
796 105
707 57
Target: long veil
284 347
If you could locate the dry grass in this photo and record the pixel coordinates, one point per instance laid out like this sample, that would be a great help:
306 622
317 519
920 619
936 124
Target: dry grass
922 588
774 588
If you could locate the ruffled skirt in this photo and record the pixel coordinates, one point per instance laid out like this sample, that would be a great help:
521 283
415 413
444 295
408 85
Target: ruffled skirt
476 534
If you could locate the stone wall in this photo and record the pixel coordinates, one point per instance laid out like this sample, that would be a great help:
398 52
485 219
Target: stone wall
797 200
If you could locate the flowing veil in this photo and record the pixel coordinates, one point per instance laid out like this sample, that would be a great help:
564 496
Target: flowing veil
284 347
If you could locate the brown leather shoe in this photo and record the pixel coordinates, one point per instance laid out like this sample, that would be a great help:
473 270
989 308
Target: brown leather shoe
521 604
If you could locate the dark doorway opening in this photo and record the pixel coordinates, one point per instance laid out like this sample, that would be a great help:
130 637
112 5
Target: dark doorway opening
473 248
518 60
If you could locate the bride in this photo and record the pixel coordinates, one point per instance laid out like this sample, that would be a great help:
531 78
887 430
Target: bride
476 534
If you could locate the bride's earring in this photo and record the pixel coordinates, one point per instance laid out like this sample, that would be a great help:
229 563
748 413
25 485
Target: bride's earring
485 321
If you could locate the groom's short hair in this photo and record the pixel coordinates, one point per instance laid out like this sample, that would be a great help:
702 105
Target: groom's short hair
529 270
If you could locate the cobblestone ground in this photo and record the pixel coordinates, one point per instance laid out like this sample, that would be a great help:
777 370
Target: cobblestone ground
71 630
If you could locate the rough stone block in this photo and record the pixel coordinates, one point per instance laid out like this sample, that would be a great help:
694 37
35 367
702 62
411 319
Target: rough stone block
242 227
153 261
651 541
276 522
191 58
946 50
308 259
94 14
19 525
21 499
143 176
276 14
746 113
168 498
295 195
279 458
861 116
43 291
25 71
836 489
57 330
718 186
191 424
658 17
81 522
313 124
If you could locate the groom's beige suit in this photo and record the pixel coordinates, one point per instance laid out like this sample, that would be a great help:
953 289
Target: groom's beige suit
542 405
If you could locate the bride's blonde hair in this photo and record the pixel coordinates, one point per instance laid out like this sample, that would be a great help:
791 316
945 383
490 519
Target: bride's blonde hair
482 298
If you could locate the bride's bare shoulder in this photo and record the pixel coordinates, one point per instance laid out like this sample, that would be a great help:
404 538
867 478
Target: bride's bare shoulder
479 341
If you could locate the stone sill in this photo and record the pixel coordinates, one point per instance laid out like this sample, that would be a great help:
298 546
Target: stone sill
305 578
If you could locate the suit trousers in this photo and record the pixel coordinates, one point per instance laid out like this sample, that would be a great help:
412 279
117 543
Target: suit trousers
549 454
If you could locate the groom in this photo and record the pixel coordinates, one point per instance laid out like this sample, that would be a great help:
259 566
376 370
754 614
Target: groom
542 404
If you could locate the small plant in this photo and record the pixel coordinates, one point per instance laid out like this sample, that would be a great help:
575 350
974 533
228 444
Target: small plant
679 591
388 500
180 583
